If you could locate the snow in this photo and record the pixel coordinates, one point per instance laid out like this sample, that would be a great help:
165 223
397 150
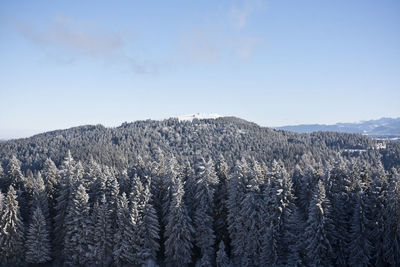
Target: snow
199 116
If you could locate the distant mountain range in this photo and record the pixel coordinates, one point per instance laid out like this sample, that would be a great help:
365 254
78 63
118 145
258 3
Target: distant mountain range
384 127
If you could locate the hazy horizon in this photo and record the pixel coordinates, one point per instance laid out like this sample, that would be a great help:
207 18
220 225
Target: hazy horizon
274 63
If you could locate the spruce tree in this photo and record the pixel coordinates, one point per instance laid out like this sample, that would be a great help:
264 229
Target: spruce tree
14 175
179 229
205 182
66 186
149 229
360 245
317 235
37 240
11 231
78 227
391 237
51 178
102 232
222 259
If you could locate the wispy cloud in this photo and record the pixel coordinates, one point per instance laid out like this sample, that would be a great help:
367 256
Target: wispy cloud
65 40
245 47
240 14
64 33
200 47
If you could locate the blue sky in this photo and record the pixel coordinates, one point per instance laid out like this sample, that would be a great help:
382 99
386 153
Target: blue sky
68 63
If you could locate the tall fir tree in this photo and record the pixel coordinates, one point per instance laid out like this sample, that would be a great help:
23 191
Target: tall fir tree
361 224
51 178
102 232
391 237
222 259
78 230
11 231
318 233
124 250
179 229
38 248
205 182
149 229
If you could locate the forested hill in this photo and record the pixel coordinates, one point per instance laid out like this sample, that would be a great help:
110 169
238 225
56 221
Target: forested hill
213 192
228 136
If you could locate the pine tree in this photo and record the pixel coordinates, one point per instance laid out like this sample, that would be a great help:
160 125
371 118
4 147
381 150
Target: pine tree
236 193
11 231
66 186
102 234
220 199
391 244
222 258
51 178
205 182
317 235
179 229
14 175
339 182
360 245
149 229
124 239
40 199
78 229
37 239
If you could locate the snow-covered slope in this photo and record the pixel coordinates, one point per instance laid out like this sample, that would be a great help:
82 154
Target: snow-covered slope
199 116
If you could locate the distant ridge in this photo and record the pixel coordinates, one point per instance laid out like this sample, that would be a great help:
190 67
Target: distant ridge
384 127
200 116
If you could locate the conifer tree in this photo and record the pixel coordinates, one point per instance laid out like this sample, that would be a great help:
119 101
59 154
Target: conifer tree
11 231
205 182
51 178
102 233
149 229
66 186
124 251
78 229
179 229
37 239
391 237
360 245
14 175
317 235
222 259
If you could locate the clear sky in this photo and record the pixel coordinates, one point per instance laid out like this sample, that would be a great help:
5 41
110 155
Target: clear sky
68 63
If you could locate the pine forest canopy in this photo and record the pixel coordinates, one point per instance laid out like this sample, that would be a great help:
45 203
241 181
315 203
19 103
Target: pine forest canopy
210 192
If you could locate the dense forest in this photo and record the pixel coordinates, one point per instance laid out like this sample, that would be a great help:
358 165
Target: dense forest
213 192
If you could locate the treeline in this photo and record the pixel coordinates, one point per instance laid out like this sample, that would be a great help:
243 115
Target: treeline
202 211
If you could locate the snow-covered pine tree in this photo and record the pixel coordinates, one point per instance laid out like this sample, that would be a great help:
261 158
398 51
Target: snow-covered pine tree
361 224
51 178
179 229
221 258
11 231
380 196
236 192
317 235
220 199
251 210
391 237
14 175
3 180
38 249
125 250
205 181
66 185
339 192
39 198
78 229
102 232
149 229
